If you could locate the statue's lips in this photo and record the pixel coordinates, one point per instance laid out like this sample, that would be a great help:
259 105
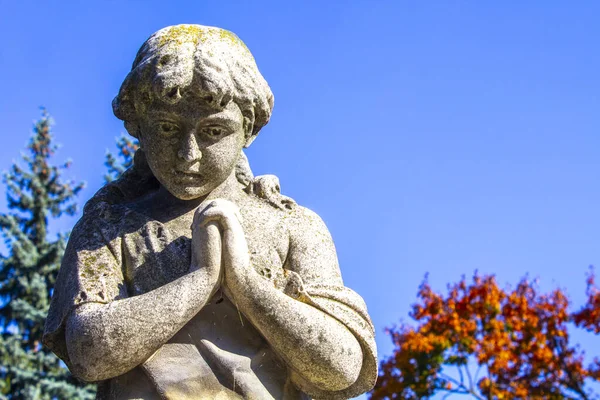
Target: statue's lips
187 176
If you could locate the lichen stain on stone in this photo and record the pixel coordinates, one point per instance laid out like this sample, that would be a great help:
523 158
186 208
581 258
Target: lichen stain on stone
88 270
180 34
232 37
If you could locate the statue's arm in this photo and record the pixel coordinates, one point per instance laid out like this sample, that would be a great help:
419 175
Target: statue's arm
107 340
315 345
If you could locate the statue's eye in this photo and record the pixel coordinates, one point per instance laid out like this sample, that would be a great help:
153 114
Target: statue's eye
168 128
213 132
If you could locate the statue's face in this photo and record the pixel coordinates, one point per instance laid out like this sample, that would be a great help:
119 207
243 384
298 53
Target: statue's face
190 146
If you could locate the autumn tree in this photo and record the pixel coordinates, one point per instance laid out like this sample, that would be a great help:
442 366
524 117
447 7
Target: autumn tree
490 343
116 165
36 194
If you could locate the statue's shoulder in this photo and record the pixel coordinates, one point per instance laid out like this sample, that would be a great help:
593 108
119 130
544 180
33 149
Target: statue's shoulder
268 210
266 190
303 224
108 220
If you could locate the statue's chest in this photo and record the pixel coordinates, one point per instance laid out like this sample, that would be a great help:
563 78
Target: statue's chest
268 247
156 254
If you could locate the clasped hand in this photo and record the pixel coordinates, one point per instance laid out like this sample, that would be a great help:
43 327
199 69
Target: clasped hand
219 244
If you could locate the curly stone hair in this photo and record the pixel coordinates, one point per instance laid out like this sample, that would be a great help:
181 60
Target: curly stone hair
211 63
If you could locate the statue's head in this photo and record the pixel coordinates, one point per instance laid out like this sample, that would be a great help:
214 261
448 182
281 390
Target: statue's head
194 98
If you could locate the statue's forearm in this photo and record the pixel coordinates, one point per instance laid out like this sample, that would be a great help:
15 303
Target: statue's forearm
107 340
318 347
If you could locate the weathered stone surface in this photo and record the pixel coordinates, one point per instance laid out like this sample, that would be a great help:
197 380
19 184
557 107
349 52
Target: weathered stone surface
189 278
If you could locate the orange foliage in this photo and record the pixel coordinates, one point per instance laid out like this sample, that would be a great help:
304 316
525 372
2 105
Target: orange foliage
516 339
589 316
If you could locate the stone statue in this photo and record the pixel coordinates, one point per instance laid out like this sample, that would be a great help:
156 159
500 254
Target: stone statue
189 278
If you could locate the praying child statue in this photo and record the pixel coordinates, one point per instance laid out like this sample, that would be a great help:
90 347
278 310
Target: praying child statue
188 277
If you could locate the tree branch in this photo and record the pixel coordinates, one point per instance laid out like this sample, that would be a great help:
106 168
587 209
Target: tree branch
461 386
572 384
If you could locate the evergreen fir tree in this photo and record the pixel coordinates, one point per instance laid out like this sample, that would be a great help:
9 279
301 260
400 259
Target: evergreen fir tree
28 272
118 164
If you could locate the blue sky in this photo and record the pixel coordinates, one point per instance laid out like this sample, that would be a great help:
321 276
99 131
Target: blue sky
438 137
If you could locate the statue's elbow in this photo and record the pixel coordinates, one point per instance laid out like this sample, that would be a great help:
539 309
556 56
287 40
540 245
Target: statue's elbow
85 372
346 374
91 359
339 372
93 364
86 364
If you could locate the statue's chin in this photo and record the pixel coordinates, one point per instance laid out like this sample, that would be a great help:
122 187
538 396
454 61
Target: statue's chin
190 194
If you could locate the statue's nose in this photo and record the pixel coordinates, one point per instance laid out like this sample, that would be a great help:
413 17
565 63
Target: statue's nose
189 149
